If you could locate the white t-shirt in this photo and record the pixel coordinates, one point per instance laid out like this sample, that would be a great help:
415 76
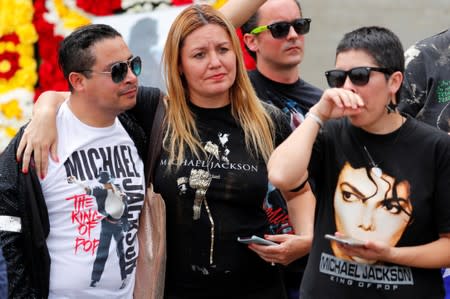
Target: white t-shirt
97 186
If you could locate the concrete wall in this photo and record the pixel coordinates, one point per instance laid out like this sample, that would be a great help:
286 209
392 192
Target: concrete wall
411 20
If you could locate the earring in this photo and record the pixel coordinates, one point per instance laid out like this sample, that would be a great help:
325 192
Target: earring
391 107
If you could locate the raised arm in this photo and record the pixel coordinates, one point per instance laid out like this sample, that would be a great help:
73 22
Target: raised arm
239 11
40 135
289 162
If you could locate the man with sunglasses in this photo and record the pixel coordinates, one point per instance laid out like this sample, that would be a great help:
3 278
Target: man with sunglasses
50 219
275 37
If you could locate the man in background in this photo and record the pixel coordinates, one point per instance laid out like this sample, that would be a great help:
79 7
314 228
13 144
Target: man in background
278 50
426 86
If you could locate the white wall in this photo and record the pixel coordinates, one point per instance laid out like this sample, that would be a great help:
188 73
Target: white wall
411 20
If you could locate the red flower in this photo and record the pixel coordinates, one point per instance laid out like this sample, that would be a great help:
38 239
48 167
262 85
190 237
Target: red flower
100 8
12 60
181 2
10 38
50 76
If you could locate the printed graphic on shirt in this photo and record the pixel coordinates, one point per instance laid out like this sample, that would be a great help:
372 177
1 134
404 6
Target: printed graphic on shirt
277 213
443 120
274 202
364 275
291 108
370 205
199 179
109 199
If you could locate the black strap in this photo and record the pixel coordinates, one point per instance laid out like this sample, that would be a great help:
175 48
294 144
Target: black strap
155 140
296 189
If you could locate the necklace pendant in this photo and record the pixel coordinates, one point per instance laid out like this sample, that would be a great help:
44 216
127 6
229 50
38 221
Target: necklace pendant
376 171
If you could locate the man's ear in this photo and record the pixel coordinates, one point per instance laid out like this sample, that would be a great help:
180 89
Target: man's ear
250 41
77 80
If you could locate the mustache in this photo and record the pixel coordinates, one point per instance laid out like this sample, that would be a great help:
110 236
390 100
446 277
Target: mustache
128 88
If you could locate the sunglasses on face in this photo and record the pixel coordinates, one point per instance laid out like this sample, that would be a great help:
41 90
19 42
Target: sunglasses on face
359 75
281 29
119 70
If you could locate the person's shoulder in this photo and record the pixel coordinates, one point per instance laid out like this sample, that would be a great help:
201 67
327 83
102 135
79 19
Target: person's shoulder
149 93
258 80
438 37
422 131
436 43
312 88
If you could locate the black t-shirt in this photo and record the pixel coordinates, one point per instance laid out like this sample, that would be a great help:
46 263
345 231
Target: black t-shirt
229 185
426 86
392 188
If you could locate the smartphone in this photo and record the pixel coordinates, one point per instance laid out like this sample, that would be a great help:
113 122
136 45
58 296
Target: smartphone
345 240
255 240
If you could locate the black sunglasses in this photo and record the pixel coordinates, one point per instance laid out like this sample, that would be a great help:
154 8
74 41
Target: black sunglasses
119 70
281 29
359 75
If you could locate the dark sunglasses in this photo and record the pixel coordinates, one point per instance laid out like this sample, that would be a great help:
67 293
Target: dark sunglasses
359 75
281 29
119 70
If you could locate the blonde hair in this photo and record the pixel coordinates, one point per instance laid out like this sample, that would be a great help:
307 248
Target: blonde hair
246 108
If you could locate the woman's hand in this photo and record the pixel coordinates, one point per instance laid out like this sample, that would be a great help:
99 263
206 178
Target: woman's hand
40 135
38 139
370 251
290 248
336 103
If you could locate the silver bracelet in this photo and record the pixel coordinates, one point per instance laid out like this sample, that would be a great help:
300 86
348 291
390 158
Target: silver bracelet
315 118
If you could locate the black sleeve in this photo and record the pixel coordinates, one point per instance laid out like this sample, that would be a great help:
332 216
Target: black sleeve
145 108
13 243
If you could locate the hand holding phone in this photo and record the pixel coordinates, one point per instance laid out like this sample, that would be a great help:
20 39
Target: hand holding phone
255 240
345 240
